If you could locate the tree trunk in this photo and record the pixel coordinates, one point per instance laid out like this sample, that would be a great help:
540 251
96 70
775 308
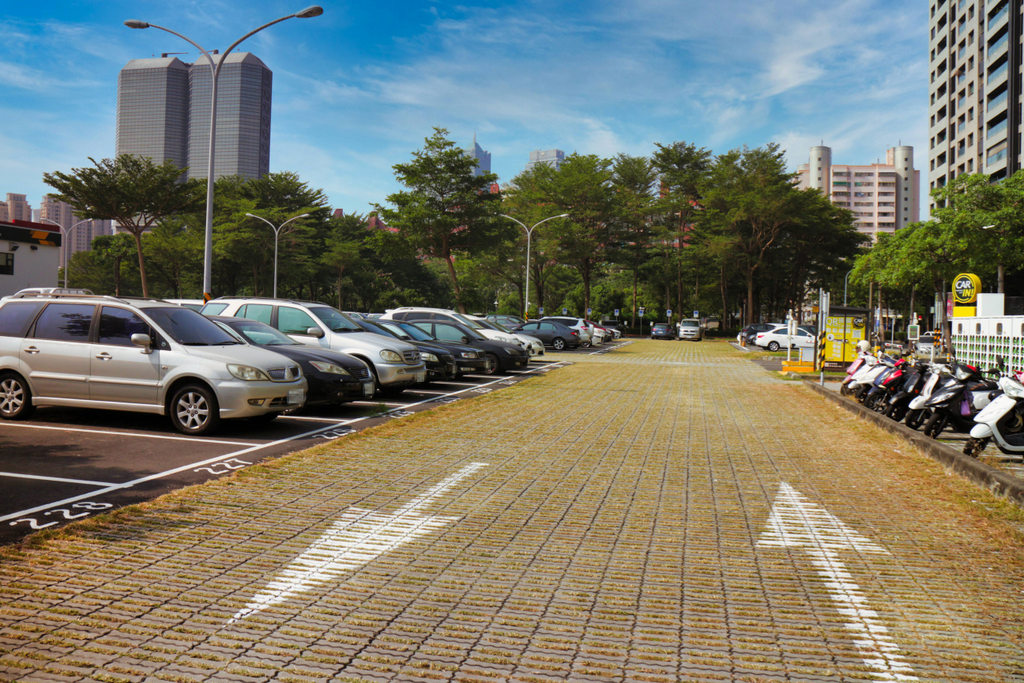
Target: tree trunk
724 320
142 262
455 283
750 297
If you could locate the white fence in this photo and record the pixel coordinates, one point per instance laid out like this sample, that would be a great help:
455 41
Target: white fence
979 340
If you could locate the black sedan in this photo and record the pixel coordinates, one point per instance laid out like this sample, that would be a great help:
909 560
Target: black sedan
333 377
440 361
467 358
552 333
501 357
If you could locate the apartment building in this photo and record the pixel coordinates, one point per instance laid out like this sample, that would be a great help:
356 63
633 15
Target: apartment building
883 197
82 232
15 208
975 88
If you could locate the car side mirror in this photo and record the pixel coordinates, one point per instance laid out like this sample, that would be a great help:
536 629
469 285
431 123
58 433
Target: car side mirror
315 332
142 339
465 339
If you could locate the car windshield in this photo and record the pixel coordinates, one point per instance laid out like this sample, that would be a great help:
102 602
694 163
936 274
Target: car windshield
378 329
394 329
498 326
469 332
468 322
690 323
335 320
411 330
261 334
187 327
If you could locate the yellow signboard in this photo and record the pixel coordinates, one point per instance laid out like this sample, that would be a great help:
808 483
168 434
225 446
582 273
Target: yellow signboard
965 295
842 332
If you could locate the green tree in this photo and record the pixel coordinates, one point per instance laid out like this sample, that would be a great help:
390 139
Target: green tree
446 209
633 181
750 198
130 190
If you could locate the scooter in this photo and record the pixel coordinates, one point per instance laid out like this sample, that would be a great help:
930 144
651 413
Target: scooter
885 385
898 402
856 370
1002 420
956 403
862 380
917 413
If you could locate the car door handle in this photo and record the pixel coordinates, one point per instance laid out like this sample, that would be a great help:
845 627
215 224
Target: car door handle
104 356
31 349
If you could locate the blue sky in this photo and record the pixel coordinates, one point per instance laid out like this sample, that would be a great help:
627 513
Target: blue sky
357 89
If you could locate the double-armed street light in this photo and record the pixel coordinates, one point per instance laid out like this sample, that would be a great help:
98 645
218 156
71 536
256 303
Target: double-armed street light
312 11
66 232
529 232
277 233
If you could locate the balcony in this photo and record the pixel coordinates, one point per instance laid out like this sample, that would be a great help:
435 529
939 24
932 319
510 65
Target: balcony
998 17
997 48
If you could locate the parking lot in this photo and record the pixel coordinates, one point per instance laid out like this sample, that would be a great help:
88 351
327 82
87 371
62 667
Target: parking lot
668 511
67 464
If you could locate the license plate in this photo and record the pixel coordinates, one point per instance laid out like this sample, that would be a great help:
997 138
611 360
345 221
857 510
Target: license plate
296 396
368 389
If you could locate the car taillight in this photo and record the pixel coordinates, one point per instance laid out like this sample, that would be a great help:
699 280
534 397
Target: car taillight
574 333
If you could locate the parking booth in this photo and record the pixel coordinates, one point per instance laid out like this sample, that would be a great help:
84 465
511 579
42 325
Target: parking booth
844 327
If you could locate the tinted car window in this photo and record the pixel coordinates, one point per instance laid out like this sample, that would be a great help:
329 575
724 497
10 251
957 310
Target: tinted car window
16 317
66 322
261 312
335 320
293 320
185 326
117 326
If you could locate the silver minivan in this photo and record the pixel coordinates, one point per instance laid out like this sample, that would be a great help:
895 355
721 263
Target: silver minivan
144 355
395 364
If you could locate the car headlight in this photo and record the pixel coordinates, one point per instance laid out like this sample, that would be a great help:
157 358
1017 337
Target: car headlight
391 356
329 368
248 373
428 357
470 354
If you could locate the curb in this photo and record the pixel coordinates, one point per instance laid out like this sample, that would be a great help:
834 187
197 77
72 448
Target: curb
994 480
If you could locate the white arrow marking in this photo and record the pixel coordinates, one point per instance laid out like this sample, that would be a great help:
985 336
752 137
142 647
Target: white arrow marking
360 536
796 522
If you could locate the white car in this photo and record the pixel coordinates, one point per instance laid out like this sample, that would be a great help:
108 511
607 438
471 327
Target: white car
776 338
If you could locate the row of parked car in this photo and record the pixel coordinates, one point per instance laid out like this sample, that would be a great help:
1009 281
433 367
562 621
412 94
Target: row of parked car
240 357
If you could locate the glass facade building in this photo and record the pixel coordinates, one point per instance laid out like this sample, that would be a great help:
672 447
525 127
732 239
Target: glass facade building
163 112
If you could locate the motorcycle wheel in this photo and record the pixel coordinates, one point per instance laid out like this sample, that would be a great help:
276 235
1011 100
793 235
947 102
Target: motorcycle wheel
914 418
935 424
844 390
975 447
896 412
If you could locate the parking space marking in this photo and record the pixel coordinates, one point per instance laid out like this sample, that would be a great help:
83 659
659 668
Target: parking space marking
795 522
359 537
108 432
16 475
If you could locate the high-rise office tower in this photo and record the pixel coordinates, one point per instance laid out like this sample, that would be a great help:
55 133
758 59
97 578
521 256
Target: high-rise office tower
163 112
482 156
551 157
975 89
883 197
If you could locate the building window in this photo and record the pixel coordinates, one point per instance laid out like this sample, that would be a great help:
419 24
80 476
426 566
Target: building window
7 263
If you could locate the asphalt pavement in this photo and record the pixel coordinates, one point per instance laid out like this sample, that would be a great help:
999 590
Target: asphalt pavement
666 511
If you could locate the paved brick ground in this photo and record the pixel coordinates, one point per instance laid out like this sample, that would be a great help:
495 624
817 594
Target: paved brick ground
612 535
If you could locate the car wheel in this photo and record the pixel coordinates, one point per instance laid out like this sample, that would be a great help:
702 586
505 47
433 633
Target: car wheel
773 346
492 365
193 410
558 343
15 397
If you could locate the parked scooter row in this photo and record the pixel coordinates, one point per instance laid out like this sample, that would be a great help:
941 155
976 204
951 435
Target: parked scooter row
935 397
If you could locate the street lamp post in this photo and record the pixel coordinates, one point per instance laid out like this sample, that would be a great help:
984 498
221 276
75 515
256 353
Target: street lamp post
66 232
529 233
312 11
277 233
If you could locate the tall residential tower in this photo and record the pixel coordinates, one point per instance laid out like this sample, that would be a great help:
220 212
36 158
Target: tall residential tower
883 197
163 112
975 88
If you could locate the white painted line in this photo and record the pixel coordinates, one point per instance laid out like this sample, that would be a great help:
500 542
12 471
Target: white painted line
108 432
15 475
795 522
377 403
359 537
227 456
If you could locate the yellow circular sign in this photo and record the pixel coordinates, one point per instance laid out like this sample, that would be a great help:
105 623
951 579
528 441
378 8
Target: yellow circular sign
965 289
